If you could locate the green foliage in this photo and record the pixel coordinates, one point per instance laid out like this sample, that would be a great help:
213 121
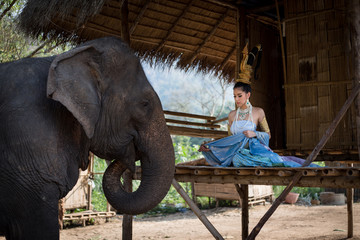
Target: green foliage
313 192
184 149
98 198
15 45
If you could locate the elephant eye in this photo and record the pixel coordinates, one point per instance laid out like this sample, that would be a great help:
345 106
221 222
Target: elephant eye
145 103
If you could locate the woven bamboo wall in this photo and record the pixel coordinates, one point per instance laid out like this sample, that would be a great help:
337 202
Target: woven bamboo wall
318 79
228 191
266 90
78 196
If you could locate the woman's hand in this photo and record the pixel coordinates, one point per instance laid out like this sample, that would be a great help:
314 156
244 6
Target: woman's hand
249 134
203 148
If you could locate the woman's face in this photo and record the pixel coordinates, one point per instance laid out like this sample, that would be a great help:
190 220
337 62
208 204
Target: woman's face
241 97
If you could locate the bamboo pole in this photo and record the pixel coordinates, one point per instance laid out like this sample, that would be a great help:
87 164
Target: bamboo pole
281 40
285 173
202 172
330 172
196 210
309 172
316 181
310 158
353 172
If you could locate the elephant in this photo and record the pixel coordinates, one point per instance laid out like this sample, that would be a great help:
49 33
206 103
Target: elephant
55 110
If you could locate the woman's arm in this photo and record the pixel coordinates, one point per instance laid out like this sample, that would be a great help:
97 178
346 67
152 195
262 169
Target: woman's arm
264 127
231 117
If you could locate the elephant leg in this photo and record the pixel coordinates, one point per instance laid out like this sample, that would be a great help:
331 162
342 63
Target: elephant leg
30 214
40 224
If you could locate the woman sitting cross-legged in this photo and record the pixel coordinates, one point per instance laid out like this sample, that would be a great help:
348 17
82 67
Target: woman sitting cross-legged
246 147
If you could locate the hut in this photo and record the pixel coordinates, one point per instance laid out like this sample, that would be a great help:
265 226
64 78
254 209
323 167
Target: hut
309 66
306 73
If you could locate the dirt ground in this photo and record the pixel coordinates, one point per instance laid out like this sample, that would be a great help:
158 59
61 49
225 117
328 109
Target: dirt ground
288 222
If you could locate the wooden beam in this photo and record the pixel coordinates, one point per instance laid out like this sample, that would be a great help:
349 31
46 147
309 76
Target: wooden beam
161 45
223 3
125 21
264 8
181 114
281 41
211 33
264 20
139 39
227 58
196 210
209 125
139 16
310 181
310 15
194 132
310 158
240 37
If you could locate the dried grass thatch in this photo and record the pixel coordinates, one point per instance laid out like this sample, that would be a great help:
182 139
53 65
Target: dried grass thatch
194 34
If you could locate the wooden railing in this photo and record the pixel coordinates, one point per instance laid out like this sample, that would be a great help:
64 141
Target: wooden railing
192 128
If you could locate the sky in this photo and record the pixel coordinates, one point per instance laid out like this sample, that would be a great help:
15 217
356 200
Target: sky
167 81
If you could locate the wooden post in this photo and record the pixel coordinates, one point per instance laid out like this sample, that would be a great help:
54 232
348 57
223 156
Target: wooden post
350 200
125 22
310 158
243 191
193 194
281 41
240 37
353 15
90 171
127 176
196 210
127 219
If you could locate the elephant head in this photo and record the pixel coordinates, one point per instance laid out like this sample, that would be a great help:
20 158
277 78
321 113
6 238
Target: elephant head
104 86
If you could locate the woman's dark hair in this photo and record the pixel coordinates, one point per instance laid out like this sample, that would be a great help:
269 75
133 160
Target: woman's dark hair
245 87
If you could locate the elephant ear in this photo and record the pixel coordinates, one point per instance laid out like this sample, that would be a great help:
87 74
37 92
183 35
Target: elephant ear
73 81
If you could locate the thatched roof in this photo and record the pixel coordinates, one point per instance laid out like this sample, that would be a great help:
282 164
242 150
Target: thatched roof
198 34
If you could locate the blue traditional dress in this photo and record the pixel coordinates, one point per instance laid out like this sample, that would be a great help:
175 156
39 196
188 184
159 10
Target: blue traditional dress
240 151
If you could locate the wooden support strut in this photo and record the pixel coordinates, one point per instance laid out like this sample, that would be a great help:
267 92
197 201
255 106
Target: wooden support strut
196 210
310 158
127 219
243 191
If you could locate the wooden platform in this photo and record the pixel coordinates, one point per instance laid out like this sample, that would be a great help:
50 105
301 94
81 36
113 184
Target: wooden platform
86 215
344 177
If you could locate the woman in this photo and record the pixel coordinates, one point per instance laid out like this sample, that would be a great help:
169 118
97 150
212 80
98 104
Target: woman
246 146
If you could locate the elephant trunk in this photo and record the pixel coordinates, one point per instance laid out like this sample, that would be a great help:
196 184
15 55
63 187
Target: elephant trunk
157 163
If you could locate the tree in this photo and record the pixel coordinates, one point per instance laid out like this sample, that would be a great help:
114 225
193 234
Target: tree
15 45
